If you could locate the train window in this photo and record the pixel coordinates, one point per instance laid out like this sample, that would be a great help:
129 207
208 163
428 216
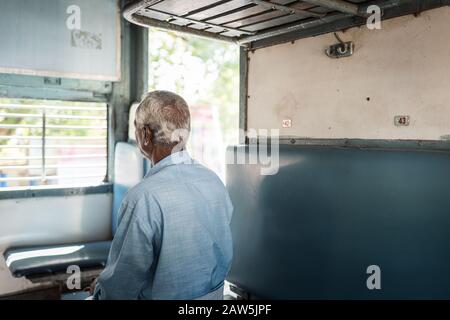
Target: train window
52 143
206 73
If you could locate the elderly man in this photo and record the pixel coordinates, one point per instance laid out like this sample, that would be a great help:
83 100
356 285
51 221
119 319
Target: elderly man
173 239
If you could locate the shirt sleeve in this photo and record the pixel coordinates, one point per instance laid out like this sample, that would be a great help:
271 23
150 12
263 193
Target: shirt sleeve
128 269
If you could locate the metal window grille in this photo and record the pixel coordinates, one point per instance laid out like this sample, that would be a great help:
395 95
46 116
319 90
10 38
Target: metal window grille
52 143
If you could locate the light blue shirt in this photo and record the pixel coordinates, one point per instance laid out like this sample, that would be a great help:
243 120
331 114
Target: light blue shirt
173 239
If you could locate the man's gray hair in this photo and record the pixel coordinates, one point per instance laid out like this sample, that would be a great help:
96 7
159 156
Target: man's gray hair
167 115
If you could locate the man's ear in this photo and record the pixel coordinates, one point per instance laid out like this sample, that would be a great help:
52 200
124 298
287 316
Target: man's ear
147 136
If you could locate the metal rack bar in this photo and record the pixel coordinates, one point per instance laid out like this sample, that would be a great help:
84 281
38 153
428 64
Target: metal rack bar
73 156
52 166
207 24
43 144
299 26
50 116
339 5
51 126
53 137
287 9
50 177
31 106
149 22
54 146
207 7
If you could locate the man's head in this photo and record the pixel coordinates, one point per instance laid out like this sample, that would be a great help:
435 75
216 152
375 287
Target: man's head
162 124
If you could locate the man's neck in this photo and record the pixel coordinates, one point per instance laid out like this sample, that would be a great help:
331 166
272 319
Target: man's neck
161 152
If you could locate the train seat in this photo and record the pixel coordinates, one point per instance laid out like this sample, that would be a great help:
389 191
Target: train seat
40 260
332 215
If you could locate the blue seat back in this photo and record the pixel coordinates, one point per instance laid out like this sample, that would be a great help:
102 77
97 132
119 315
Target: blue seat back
129 167
312 230
128 171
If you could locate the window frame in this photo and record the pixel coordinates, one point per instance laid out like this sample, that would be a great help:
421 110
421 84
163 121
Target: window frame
48 88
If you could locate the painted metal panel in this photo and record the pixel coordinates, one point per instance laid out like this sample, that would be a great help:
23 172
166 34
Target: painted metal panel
399 70
67 38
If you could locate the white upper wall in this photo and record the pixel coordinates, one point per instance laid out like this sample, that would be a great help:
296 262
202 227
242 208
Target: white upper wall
402 69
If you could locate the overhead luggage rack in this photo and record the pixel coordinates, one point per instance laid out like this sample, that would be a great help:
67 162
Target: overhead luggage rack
258 23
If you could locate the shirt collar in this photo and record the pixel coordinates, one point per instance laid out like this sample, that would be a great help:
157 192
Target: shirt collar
180 157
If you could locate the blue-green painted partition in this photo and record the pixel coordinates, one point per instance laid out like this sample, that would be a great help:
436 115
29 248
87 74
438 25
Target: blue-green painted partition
311 231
